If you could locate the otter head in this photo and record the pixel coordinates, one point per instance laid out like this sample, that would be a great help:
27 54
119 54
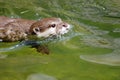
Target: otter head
49 27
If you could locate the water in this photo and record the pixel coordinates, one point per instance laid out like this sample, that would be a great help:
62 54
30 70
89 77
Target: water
89 52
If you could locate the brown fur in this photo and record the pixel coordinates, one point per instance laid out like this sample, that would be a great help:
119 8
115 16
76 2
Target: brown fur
13 29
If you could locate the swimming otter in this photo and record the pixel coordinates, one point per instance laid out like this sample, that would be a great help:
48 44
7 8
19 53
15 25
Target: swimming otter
14 29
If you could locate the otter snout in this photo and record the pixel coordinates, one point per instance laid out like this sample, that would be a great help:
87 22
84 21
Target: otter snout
63 28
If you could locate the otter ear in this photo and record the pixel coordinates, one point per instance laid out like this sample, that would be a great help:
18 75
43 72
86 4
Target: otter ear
60 19
36 29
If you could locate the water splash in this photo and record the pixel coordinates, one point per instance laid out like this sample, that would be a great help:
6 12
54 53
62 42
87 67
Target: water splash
53 39
26 43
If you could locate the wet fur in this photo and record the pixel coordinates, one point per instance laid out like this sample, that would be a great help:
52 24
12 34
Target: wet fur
13 29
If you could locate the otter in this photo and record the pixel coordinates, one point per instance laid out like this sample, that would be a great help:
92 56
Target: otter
17 29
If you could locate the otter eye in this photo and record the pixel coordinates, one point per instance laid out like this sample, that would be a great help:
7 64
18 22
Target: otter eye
53 25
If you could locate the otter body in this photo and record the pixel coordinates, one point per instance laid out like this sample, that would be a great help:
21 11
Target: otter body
13 29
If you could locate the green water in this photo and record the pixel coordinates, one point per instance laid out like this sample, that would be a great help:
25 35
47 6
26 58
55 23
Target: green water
90 52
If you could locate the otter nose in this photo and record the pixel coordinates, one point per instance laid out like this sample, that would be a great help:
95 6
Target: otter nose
67 28
64 25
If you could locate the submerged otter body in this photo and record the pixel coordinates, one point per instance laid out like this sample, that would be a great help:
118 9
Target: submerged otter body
13 29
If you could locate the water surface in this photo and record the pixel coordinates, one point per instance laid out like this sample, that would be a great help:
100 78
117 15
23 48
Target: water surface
89 52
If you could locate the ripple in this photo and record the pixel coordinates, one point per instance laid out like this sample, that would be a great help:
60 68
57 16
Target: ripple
112 59
39 76
96 41
94 30
116 43
116 30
